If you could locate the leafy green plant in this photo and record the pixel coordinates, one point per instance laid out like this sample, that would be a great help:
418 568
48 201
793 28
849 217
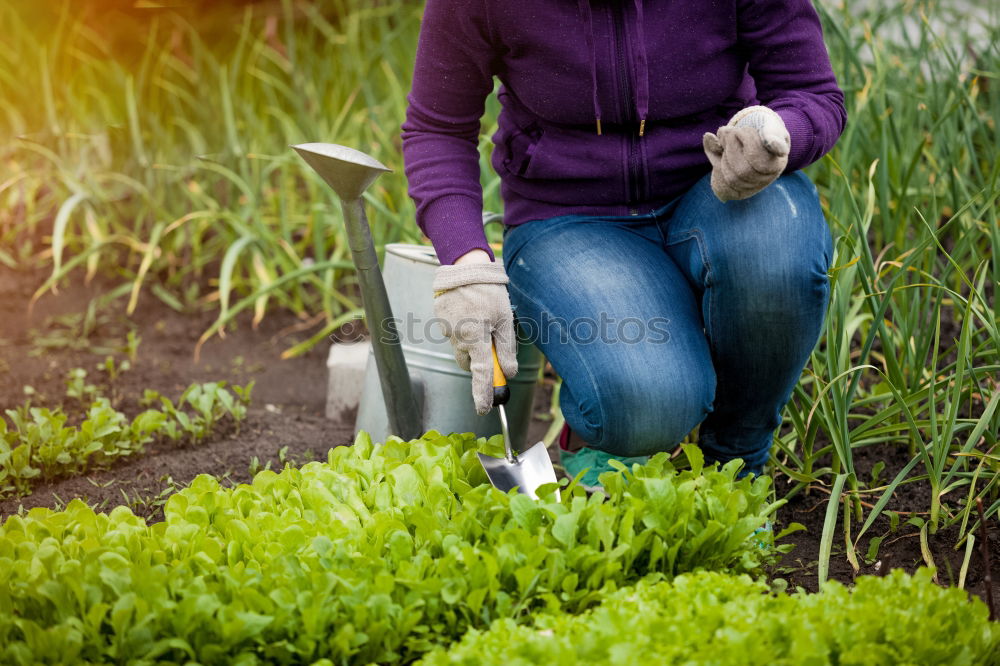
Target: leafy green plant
256 467
210 401
171 165
86 331
38 445
713 618
77 386
378 554
139 502
112 369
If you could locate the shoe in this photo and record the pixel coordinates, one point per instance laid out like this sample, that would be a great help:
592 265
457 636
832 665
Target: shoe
765 528
593 460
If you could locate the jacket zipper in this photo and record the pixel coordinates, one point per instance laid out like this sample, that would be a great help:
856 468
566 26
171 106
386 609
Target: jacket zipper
634 185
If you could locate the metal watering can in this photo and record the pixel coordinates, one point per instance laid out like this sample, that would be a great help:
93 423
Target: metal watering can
412 383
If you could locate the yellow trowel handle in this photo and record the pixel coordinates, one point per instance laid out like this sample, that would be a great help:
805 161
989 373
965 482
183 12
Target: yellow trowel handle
501 392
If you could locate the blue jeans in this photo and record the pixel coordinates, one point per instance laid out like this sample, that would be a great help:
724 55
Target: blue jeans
697 313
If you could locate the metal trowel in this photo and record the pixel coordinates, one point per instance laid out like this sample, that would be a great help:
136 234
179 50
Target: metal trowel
525 471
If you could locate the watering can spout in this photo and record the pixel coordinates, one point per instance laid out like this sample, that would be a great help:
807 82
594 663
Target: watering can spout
348 171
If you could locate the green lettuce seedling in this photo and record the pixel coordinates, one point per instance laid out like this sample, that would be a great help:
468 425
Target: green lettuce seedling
377 555
714 618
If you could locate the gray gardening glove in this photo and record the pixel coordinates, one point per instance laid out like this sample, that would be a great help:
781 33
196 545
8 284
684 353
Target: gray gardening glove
748 154
472 304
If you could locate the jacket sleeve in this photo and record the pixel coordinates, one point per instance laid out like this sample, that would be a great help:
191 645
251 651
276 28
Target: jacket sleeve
452 76
786 56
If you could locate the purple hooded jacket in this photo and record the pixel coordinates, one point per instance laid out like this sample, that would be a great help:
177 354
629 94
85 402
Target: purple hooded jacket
603 102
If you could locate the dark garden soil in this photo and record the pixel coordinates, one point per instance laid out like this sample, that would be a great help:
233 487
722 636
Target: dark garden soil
898 549
286 422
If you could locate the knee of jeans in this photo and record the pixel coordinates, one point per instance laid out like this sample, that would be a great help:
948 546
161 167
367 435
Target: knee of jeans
805 288
648 419
787 283
789 207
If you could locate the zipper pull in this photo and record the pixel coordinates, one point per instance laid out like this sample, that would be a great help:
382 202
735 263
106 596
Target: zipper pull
598 125
642 126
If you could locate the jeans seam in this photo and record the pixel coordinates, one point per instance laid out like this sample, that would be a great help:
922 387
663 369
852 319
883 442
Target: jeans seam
708 283
580 361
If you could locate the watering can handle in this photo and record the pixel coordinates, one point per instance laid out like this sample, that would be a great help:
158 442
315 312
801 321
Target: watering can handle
501 392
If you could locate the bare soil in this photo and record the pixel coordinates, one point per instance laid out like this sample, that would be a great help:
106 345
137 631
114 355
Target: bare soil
286 422
899 548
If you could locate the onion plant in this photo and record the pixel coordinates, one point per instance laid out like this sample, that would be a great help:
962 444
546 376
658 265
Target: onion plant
175 169
909 360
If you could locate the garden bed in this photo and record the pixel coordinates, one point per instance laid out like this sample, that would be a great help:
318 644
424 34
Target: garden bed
148 165
285 422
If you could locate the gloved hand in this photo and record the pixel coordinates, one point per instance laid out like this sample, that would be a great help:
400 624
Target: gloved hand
474 309
748 154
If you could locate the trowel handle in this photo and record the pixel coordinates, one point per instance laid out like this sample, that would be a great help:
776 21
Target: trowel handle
501 392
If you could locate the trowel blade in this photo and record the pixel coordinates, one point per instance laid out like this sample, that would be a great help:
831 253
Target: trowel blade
532 469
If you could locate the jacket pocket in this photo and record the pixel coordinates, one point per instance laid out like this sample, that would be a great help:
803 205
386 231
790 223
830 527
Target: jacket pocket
574 154
520 146
559 165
